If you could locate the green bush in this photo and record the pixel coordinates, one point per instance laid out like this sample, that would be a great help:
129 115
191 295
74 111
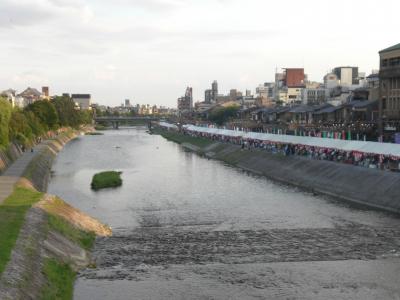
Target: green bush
106 179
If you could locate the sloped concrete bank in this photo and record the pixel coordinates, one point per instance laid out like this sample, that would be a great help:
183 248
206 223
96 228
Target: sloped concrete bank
370 187
8 156
39 242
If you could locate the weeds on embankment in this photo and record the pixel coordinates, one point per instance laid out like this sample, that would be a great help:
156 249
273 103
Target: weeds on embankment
60 281
12 216
181 138
80 237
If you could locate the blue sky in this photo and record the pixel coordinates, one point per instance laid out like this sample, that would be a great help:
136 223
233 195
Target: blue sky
150 50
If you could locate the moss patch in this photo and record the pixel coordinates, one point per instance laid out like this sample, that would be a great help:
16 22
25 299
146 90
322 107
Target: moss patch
106 179
12 216
60 281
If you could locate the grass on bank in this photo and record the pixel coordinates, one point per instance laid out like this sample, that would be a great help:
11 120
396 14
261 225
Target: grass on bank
12 216
94 133
181 138
60 281
106 179
82 238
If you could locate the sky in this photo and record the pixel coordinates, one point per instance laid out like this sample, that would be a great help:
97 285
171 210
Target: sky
149 51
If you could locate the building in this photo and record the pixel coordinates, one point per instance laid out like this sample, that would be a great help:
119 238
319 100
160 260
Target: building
185 103
347 76
84 101
331 81
389 86
373 86
10 95
30 95
294 77
208 96
214 90
127 103
294 95
314 96
45 92
234 94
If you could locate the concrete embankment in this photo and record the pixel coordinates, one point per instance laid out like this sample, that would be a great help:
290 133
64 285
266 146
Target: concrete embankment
50 231
371 187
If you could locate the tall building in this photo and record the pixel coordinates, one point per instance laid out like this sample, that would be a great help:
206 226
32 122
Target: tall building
127 103
294 77
389 84
208 96
214 90
347 75
84 101
185 103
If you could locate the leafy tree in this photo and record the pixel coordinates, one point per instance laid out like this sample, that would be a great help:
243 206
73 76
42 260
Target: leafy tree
34 123
45 112
19 128
67 113
5 115
222 114
85 116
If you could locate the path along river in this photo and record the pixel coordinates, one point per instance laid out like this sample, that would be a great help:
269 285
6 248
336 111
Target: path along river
186 227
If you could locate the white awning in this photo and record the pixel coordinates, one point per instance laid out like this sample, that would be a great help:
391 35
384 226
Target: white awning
345 145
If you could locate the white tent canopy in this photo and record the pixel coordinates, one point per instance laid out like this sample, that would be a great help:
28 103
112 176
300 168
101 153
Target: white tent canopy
168 125
345 145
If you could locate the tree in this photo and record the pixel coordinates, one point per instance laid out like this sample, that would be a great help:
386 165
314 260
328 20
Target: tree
45 112
67 113
222 114
5 115
34 123
19 128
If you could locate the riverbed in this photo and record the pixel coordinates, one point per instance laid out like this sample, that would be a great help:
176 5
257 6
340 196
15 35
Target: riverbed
186 227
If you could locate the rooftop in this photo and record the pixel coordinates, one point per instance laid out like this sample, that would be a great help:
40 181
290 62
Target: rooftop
395 47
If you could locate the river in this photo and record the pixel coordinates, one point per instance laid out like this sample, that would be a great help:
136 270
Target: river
186 227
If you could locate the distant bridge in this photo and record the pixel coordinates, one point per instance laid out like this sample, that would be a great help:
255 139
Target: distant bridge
117 120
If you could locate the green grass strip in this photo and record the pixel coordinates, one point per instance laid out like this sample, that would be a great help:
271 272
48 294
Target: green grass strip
60 281
12 216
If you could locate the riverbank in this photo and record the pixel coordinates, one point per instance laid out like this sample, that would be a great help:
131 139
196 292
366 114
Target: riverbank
363 186
44 240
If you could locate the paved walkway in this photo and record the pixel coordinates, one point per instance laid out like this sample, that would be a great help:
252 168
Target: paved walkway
14 172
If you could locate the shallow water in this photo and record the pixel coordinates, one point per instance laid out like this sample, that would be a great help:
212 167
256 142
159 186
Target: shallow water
186 227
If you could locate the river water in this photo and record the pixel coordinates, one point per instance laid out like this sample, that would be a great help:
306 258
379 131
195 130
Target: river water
186 227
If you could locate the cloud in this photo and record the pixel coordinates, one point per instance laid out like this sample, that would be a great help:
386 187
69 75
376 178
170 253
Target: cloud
105 74
32 78
22 13
152 5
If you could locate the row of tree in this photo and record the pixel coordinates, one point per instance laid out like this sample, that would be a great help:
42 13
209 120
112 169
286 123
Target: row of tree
25 125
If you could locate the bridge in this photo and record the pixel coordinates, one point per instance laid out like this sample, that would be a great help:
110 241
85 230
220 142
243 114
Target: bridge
117 120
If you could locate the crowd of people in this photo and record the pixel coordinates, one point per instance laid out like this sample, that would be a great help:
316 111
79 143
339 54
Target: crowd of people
367 160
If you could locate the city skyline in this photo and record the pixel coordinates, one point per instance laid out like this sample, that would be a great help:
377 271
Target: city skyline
149 51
